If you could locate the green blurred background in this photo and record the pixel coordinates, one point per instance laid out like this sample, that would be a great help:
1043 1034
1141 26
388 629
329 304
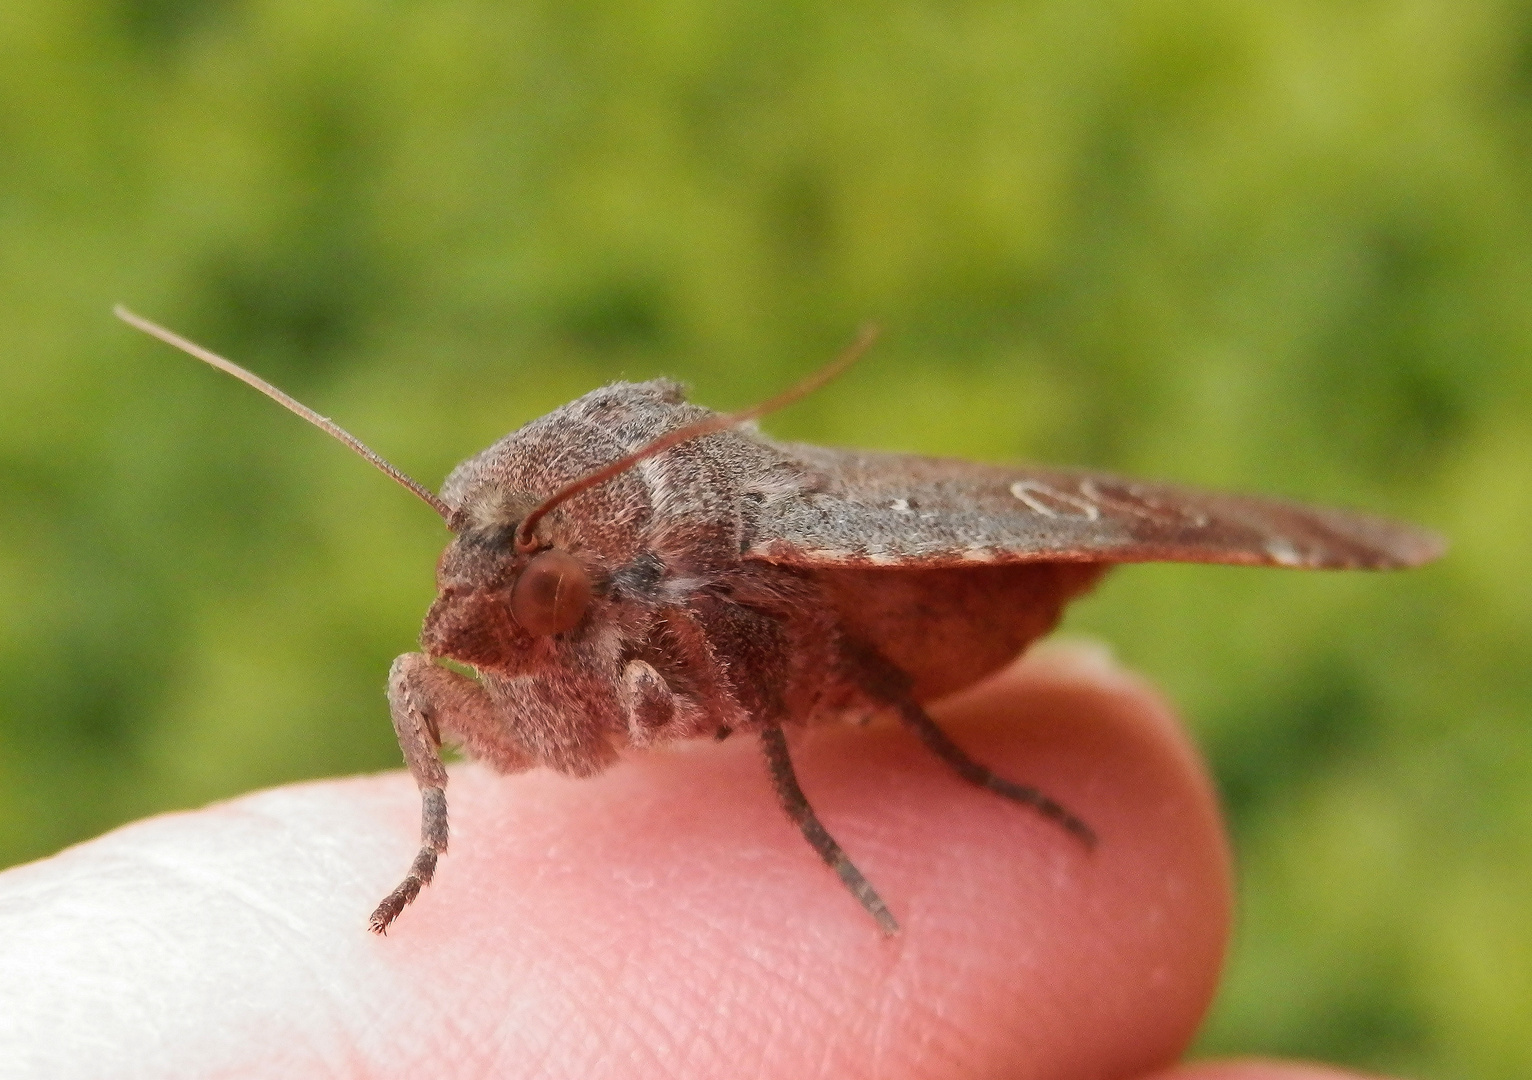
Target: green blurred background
1266 244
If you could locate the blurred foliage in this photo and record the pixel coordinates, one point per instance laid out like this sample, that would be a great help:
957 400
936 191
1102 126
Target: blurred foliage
1267 244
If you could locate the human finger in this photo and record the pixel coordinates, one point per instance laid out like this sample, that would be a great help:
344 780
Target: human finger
665 918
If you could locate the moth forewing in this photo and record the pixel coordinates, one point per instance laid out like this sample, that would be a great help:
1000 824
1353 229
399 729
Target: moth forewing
897 509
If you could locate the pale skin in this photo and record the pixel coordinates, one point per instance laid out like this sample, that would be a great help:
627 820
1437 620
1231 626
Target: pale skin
663 919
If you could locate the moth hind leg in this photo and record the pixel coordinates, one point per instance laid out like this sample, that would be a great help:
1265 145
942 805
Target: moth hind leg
785 780
938 742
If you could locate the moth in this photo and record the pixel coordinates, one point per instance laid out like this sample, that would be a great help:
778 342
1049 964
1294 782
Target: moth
632 569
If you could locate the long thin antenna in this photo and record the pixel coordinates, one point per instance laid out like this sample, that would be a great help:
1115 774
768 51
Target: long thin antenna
848 356
324 423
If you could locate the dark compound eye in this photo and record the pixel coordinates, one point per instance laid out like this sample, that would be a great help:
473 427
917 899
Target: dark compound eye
551 594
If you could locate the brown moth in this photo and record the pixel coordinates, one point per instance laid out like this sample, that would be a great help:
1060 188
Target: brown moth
632 569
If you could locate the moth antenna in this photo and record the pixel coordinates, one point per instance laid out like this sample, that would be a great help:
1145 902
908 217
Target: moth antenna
324 423
525 540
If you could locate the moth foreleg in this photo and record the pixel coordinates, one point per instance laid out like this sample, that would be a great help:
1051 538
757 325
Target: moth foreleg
802 815
422 698
938 743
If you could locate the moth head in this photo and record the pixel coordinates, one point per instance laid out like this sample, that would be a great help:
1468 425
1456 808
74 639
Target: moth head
495 602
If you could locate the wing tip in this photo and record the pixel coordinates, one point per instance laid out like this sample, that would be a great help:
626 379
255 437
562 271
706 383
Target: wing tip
1358 542
1413 546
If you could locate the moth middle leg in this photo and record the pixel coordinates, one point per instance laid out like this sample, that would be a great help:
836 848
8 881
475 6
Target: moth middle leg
424 699
774 742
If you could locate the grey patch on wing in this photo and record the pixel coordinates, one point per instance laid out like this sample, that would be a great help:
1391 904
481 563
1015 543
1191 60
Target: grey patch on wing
1283 552
971 513
1040 498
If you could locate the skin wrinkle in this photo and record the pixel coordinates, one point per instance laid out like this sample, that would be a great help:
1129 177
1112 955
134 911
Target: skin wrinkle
751 981
108 982
245 893
886 1029
508 1041
700 1044
822 1001
459 1034
189 878
818 1002
607 963
549 1034
539 1060
870 1028
529 1031
650 1038
943 1034
471 1050
682 1041
924 1014
543 1037
333 991
737 1000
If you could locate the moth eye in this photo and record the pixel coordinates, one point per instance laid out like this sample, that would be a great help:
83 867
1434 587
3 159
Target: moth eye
551 594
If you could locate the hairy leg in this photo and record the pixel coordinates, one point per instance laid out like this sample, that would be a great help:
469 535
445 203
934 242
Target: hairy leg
885 682
938 743
424 700
802 815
